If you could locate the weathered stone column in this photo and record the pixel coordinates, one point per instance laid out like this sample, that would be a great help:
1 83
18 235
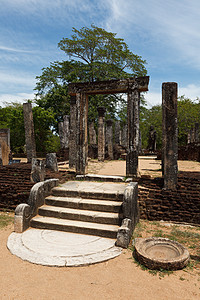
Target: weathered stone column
4 146
82 137
63 129
38 170
29 132
92 134
117 133
51 162
133 133
124 139
170 134
72 133
109 134
101 134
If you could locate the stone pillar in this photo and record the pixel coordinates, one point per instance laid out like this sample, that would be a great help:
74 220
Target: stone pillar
192 133
92 134
109 134
38 170
170 134
124 139
196 132
4 146
117 133
188 138
29 132
72 133
63 128
101 134
51 162
133 133
82 137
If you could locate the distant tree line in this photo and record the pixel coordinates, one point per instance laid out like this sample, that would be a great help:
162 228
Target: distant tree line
11 116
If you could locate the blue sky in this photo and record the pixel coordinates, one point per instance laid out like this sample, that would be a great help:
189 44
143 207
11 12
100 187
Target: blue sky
165 33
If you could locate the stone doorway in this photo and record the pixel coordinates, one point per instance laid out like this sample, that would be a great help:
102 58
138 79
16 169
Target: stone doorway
79 93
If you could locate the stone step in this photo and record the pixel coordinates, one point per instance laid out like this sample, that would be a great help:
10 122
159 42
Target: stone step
91 190
79 215
104 230
103 178
86 204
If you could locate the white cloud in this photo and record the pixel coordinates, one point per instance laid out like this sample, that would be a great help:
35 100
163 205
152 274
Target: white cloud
48 9
190 91
153 98
15 78
19 98
4 48
171 25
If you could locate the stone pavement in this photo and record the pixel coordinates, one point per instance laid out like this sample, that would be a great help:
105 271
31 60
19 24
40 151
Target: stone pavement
57 248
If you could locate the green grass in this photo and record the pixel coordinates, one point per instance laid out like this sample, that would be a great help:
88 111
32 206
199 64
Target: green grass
5 220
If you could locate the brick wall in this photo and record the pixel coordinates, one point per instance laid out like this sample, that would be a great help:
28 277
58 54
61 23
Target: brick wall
182 205
15 184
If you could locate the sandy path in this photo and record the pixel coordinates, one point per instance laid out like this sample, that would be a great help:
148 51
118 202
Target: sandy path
146 166
119 278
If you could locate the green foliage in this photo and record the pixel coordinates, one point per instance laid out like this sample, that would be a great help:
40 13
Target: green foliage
12 117
148 117
94 54
105 55
5 219
43 121
188 115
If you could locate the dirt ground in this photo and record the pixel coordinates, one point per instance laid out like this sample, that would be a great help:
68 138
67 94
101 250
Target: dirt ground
118 278
146 167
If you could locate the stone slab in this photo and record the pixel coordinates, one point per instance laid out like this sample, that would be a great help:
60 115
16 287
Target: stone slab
62 249
93 187
104 178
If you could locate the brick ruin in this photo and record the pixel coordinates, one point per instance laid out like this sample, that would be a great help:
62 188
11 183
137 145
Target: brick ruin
179 199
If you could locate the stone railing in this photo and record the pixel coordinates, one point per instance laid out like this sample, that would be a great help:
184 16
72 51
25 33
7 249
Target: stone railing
25 212
130 215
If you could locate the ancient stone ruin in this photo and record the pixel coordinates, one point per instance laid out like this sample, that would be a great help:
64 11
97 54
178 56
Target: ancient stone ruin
101 133
170 135
29 132
81 91
4 146
63 129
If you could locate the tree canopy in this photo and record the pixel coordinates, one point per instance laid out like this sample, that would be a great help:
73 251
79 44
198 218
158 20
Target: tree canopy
188 115
94 54
12 117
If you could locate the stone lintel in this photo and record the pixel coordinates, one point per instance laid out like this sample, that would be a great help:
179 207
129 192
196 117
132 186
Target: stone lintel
109 86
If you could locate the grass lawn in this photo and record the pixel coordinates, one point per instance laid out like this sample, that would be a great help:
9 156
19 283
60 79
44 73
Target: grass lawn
6 218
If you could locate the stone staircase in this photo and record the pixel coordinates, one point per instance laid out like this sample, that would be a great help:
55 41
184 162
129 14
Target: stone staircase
82 207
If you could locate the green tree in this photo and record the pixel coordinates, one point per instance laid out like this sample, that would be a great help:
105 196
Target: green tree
148 117
188 115
12 117
94 54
